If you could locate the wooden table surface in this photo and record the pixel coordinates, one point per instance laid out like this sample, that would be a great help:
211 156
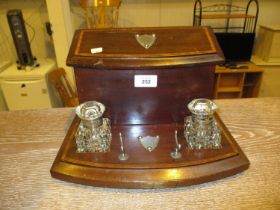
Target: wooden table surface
29 141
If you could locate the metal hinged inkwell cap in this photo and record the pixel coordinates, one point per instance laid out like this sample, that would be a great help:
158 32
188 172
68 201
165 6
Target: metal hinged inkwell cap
94 132
91 113
202 107
200 129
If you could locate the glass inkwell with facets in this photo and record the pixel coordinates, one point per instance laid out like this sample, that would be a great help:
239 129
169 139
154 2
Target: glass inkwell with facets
94 132
200 129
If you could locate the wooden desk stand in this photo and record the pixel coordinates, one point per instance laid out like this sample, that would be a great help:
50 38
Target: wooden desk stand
106 65
146 169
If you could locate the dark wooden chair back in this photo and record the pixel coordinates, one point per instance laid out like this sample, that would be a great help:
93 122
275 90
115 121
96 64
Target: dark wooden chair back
58 78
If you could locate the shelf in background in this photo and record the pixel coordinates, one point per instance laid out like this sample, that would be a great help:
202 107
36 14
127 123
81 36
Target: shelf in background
238 83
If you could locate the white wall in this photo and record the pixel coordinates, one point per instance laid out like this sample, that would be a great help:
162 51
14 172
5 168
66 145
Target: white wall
138 13
60 18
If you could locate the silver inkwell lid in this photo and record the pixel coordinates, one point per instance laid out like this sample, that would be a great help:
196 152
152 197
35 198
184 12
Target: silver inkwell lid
202 109
91 113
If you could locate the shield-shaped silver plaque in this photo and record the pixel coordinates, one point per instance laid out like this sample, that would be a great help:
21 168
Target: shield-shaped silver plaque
149 142
146 40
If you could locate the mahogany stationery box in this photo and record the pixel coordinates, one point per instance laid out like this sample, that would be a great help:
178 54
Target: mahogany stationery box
146 77
183 60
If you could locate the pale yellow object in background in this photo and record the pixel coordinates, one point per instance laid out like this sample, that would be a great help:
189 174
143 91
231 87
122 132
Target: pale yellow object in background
101 13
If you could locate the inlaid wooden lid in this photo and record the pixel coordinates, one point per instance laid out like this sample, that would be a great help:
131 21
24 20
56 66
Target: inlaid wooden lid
143 47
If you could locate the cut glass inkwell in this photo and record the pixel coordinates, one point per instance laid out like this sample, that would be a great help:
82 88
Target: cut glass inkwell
94 132
200 129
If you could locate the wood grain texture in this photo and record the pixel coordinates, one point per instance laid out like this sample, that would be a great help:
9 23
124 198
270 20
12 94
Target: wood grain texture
174 46
29 141
174 59
148 170
126 104
121 42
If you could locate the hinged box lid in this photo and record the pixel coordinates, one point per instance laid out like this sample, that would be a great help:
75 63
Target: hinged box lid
121 48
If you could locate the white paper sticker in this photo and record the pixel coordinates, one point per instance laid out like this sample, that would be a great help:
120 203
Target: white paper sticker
96 50
147 81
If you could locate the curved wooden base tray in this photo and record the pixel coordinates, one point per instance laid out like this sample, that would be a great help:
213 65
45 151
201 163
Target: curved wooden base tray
146 169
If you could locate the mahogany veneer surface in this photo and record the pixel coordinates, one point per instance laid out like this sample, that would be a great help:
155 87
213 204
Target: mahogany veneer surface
126 104
173 46
182 58
146 169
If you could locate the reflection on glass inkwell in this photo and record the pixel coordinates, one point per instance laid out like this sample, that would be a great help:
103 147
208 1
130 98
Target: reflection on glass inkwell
94 132
200 129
